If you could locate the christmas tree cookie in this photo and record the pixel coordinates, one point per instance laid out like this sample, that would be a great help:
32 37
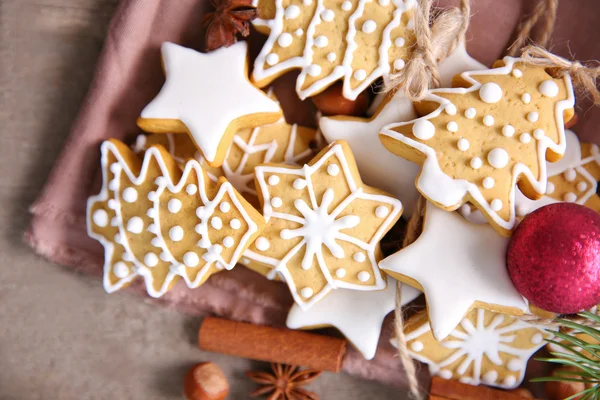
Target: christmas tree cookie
357 41
323 226
162 224
495 129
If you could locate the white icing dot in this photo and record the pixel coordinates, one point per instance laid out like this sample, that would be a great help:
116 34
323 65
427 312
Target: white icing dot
399 64
381 212
450 109
174 206
191 259
476 163
331 57
570 174
526 98
176 233
533 116
135 225
333 169
299 184
490 92
100 218
517 73
445 373
285 39
151 195
118 238
570 197
399 42
160 181
470 113
340 272
165 257
292 12
228 241
498 158
525 138
327 15
113 185
360 74
321 41
581 186
245 261
359 256
462 144
538 134
346 5
307 2
417 346
537 338
130 194
235 224
306 292
508 130
120 270
465 210
273 180
191 189
509 381
151 212
156 242
299 32
262 243
423 129
490 376
151 259
452 126
550 188
152 228
276 202
488 120
314 70
514 365
225 206
384 3
363 276
115 167
272 58
488 182
369 26
496 204
548 88
203 243
216 223
114 221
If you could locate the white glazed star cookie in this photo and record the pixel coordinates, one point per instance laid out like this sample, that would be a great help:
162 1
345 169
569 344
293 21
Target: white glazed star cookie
209 97
357 41
323 226
477 141
160 223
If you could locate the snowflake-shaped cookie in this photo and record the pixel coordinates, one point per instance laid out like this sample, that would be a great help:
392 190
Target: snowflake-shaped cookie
323 226
486 347
476 142
159 223
358 41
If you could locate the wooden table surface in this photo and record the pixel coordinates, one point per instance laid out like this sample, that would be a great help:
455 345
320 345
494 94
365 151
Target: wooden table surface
61 336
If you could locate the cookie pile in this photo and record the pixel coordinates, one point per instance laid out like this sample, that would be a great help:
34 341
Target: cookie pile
222 179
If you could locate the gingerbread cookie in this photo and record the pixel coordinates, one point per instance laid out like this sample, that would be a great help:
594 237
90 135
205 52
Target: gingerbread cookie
486 347
160 223
373 159
274 143
209 97
459 266
323 226
477 141
358 41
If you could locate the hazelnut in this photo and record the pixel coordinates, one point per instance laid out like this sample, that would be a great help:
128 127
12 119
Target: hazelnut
205 381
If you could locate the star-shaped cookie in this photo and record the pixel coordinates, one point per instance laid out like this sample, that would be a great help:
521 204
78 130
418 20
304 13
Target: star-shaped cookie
459 266
209 97
358 315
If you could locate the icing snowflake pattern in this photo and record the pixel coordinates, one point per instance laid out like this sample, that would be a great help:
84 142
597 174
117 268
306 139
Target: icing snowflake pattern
317 237
331 40
486 347
159 223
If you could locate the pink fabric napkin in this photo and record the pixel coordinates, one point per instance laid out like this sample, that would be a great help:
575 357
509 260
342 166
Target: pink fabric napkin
129 76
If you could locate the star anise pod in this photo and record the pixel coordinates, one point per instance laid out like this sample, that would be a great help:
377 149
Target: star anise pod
284 382
229 18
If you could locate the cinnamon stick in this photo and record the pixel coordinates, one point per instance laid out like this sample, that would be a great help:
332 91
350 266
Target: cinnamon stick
265 343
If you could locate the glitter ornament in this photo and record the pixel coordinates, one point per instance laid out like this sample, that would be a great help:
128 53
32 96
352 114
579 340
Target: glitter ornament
554 258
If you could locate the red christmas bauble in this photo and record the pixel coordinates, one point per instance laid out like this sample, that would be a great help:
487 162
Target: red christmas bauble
554 258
